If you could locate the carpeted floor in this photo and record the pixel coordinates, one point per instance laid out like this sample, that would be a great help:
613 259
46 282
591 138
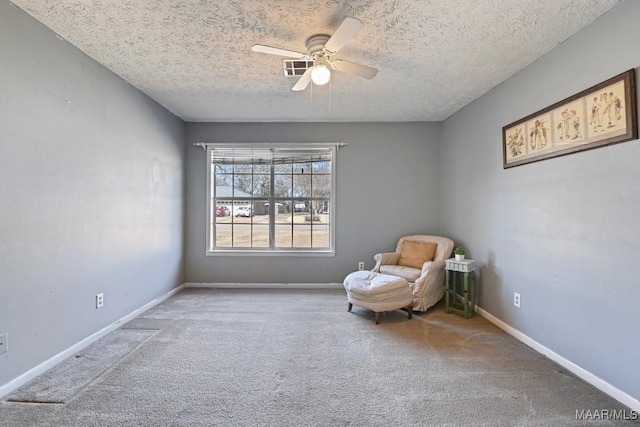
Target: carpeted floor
247 357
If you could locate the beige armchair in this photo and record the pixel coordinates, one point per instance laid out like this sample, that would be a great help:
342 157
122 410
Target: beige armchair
420 260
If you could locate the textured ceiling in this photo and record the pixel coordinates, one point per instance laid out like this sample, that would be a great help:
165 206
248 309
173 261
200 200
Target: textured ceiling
434 57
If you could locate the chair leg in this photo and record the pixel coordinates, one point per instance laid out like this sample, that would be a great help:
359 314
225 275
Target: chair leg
410 311
350 307
377 317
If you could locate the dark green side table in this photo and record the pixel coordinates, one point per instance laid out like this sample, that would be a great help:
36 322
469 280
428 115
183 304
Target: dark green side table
456 272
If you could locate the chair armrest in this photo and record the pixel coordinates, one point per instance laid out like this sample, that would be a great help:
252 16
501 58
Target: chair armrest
432 275
386 258
432 265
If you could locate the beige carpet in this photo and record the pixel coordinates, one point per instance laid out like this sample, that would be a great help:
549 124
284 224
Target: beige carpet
221 357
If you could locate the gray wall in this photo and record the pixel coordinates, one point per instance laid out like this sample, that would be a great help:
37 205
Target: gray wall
388 181
91 190
563 232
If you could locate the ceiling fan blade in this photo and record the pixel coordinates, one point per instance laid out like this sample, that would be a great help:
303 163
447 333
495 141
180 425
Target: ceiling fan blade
345 32
303 81
355 69
277 51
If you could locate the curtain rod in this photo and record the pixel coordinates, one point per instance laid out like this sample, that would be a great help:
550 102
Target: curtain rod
204 145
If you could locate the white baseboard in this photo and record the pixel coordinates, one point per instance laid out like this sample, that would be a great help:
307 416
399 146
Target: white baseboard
50 363
595 381
266 285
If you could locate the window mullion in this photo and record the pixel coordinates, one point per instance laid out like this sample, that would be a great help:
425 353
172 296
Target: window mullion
311 204
292 206
233 202
251 203
272 207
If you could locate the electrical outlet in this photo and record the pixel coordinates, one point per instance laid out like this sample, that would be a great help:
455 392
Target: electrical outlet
4 346
99 300
516 299
361 265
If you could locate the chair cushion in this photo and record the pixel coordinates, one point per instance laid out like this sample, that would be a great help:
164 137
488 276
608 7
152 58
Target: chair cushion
409 273
415 254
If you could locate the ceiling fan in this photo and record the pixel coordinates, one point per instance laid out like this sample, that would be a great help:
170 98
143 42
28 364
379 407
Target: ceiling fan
320 50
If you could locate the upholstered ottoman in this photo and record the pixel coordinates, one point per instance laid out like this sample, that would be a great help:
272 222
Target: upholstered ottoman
378 292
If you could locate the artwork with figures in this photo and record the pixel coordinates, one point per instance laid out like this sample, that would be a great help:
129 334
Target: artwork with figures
602 115
605 111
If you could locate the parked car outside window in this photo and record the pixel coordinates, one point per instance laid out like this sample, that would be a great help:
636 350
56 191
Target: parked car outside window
222 211
244 211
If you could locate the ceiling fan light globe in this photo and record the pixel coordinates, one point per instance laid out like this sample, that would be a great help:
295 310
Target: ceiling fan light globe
320 75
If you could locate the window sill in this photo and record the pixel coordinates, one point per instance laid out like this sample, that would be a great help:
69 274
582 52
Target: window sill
270 253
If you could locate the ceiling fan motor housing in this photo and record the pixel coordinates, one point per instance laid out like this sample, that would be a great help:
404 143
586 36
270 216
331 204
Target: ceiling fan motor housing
316 43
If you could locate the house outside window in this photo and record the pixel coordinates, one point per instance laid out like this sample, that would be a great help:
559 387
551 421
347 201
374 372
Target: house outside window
268 199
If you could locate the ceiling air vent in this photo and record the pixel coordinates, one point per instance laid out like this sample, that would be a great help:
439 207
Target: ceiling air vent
296 67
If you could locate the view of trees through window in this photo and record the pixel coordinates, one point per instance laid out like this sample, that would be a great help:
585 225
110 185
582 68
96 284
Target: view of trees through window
274 201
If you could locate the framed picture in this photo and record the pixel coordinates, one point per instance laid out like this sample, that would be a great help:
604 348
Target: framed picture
602 115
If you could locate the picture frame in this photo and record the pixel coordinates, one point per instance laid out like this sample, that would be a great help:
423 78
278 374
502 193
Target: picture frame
602 115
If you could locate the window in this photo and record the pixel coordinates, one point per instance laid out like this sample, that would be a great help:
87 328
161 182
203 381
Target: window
267 199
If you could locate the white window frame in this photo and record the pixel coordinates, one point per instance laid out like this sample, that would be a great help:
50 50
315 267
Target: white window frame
210 216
